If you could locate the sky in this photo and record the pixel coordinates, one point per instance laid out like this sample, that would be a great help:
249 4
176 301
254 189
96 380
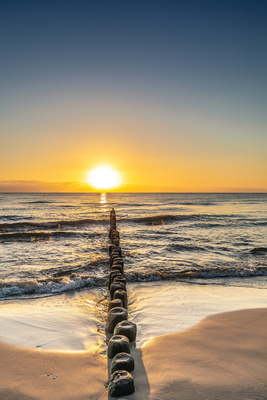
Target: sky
171 94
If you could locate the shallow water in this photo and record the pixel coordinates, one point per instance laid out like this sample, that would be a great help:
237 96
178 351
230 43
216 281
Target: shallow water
75 321
51 243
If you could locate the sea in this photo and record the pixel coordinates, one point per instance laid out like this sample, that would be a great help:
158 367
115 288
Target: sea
52 243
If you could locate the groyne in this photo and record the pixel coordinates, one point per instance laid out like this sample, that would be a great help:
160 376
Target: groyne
120 332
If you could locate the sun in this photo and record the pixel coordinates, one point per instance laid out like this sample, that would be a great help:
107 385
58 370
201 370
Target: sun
104 177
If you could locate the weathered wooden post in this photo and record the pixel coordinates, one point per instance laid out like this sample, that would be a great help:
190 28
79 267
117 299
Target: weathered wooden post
123 331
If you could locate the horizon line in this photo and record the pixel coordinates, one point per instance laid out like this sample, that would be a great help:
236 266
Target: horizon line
239 191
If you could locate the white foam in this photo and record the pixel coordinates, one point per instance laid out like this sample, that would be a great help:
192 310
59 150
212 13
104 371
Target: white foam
75 321
18 288
67 322
159 308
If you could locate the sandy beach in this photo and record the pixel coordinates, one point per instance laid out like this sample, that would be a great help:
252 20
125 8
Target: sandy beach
56 346
222 357
133 200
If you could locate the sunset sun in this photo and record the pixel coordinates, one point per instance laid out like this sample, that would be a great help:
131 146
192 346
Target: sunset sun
104 177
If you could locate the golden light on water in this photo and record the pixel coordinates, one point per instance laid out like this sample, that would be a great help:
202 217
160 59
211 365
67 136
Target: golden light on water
103 202
103 199
104 177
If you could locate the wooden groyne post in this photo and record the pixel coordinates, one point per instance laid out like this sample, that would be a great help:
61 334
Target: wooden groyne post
120 332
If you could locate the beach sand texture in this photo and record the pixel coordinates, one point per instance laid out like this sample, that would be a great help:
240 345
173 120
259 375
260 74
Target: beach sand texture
222 357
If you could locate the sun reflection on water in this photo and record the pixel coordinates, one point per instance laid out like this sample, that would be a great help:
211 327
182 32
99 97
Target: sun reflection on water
103 202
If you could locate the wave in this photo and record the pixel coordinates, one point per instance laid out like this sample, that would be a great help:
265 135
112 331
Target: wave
39 202
196 203
40 236
209 225
14 218
163 218
201 220
61 282
189 274
149 220
155 220
98 267
48 287
121 205
259 251
50 224
67 206
181 247
258 223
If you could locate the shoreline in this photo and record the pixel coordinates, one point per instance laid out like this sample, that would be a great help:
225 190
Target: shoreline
76 321
222 357
194 342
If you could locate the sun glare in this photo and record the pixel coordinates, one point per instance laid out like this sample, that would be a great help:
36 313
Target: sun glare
104 178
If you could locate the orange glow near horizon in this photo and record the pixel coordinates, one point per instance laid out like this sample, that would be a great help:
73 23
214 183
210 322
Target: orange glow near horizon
184 163
104 177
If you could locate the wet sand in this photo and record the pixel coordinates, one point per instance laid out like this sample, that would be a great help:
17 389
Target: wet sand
222 357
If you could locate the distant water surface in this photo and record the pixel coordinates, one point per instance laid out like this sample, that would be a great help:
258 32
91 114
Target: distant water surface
50 243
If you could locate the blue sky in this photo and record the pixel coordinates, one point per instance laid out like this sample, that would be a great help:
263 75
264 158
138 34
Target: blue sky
186 80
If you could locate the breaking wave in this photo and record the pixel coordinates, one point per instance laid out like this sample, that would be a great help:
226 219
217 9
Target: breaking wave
74 281
207 273
51 286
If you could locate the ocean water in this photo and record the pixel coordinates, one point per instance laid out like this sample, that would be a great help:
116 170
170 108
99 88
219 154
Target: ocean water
52 243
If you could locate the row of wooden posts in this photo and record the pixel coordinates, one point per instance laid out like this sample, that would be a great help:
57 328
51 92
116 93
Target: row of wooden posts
120 333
